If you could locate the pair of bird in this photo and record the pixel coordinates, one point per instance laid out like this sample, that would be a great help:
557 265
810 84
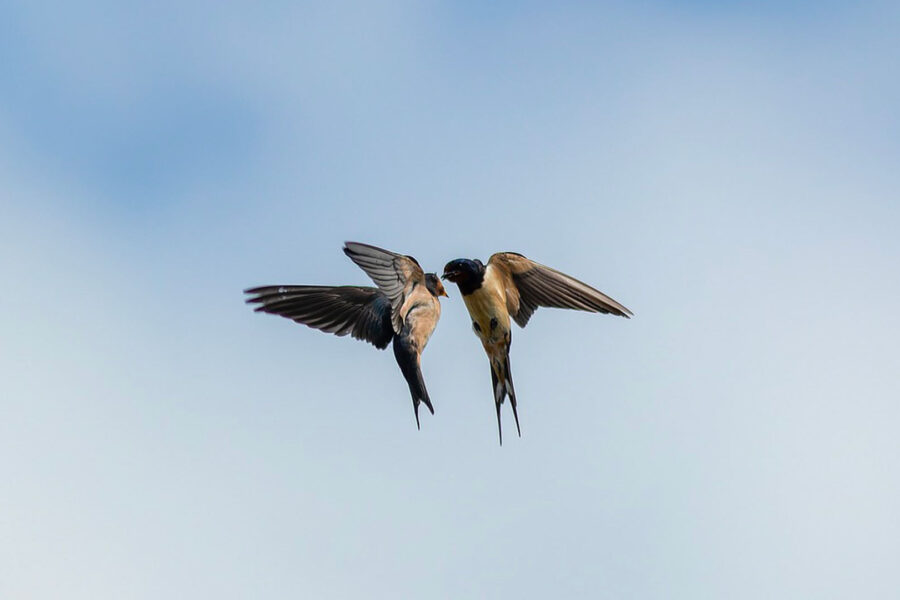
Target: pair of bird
404 308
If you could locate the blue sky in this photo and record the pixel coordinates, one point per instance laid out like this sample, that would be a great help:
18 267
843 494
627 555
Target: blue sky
728 172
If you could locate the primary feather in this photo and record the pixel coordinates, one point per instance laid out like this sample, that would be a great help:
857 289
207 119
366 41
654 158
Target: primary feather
362 312
534 285
395 274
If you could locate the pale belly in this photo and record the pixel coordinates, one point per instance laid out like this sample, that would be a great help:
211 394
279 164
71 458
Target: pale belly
422 320
490 319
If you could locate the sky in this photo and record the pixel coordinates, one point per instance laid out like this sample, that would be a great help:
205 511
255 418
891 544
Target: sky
727 170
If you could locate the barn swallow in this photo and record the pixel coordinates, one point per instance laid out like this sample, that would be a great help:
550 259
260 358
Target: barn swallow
403 309
514 286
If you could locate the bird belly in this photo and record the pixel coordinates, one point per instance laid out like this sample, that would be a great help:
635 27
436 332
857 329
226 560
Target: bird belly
420 321
490 319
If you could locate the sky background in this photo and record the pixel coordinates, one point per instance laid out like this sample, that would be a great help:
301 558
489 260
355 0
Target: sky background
728 171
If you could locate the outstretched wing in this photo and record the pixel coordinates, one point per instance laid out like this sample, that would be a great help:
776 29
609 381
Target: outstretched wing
395 274
363 312
530 285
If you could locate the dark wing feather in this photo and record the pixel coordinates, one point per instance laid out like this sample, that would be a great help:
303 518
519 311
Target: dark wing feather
538 285
362 312
395 274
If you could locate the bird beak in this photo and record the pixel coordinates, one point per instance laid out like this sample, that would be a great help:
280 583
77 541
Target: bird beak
445 294
447 275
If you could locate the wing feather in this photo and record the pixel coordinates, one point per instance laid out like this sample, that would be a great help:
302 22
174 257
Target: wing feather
362 312
395 274
538 285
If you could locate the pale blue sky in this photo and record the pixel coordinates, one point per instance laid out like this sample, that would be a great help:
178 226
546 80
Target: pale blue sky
728 171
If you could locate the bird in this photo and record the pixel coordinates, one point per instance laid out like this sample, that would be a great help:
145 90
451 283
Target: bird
513 286
402 310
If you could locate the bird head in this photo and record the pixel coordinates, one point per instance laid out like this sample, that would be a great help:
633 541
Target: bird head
462 270
434 285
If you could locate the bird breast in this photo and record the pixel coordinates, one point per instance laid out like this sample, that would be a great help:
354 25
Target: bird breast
487 307
420 313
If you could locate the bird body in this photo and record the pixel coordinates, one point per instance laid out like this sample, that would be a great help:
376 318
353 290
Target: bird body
403 310
415 309
512 287
419 316
487 306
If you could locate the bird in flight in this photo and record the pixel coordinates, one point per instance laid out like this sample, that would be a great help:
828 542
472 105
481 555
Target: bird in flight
512 286
404 309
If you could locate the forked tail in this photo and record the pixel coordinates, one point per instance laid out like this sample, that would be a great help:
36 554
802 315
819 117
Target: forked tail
408 359
501 376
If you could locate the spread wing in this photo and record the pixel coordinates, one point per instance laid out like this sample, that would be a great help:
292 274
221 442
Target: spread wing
530 285
363 312
395 274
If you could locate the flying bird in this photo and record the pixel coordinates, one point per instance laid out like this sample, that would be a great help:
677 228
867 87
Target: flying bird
404 309
512 286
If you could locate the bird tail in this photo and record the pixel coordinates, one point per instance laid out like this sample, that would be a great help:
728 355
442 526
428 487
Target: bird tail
408 359
501 376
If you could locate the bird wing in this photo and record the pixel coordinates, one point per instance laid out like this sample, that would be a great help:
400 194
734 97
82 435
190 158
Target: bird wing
530 285
363 312
395 274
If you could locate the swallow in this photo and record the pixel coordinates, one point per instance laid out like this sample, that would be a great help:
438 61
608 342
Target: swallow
403 310
512 286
